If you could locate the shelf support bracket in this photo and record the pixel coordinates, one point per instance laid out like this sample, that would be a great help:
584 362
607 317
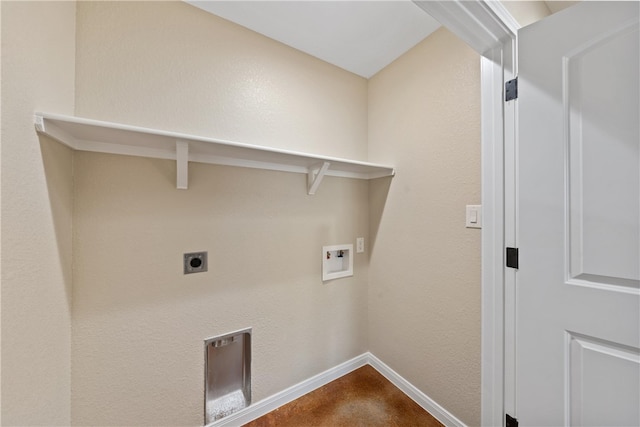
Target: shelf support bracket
316 173
182 165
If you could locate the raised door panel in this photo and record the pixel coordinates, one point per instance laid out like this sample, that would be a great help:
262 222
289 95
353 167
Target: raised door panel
603 382
601 101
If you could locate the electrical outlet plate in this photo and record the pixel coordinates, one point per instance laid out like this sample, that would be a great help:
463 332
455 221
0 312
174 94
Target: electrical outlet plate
360 245
195 262
337 262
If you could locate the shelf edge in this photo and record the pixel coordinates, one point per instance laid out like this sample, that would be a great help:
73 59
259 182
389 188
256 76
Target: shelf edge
47 124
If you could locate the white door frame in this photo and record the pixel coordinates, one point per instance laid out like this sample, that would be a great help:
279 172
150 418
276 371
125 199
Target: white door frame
488 28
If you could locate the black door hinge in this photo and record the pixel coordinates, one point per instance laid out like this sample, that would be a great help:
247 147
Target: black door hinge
511 90
511 422
512 257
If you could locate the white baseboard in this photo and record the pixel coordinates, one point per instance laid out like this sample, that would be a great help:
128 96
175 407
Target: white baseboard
258 409
271 403
428 404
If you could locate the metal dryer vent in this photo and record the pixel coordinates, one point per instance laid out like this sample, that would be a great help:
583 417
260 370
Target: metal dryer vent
227 374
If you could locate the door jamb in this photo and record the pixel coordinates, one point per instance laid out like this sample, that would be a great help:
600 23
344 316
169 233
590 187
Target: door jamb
488 28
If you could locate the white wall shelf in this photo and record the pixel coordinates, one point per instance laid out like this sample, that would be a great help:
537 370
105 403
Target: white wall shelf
114 138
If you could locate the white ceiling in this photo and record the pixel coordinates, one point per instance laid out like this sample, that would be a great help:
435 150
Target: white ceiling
360 36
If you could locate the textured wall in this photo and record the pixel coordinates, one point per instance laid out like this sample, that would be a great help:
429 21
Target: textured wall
424 289
38 48
138 322
172 66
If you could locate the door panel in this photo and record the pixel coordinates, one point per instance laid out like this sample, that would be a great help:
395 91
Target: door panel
578 229
600 391
604 201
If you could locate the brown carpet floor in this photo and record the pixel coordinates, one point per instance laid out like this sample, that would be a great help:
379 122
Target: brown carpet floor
361 398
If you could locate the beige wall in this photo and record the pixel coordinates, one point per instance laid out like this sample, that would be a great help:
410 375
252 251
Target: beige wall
169 65
38 49
138 322
424 287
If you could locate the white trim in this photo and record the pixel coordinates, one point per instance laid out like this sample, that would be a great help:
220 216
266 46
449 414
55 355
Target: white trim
501 13
492 244
272 403
508 289
427 403
479 23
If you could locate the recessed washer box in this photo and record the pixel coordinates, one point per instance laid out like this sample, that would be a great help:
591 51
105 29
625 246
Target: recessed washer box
337 262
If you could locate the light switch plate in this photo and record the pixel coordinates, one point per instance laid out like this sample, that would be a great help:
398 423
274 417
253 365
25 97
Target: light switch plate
474 216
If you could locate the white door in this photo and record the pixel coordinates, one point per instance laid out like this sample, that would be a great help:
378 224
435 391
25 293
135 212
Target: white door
577 286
